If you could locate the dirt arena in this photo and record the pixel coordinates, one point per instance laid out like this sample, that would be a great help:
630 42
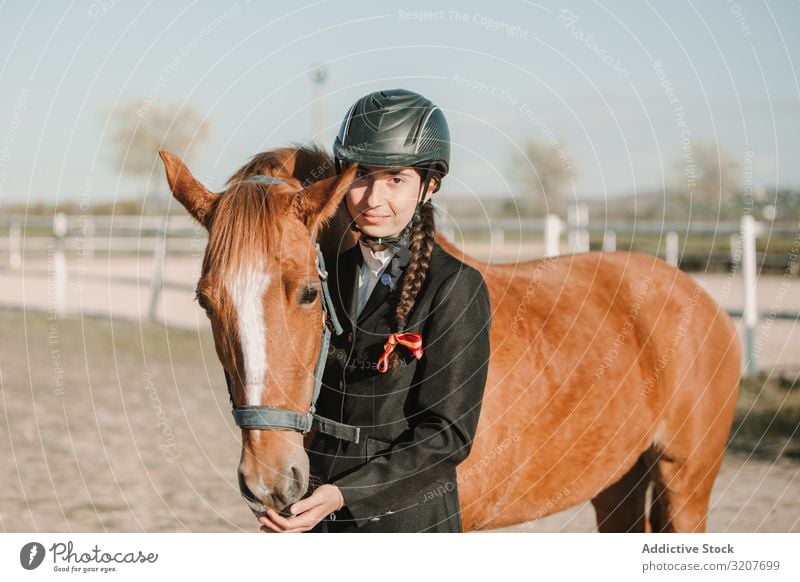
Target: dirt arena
116 425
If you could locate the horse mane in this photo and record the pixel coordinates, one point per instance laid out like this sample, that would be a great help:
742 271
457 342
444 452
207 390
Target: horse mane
244 217
304 164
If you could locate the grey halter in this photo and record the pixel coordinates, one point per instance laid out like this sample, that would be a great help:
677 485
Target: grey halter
266 417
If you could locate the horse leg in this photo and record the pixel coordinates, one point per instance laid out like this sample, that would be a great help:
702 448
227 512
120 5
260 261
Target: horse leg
621 507
681 493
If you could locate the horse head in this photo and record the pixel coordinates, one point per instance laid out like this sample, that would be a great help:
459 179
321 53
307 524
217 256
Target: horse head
260 288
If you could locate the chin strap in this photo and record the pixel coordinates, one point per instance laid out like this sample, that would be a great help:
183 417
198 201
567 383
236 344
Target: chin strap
395 242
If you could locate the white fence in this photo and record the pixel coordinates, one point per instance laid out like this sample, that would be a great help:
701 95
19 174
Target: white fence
88 235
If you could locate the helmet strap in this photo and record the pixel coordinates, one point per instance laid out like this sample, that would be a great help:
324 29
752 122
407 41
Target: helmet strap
421 200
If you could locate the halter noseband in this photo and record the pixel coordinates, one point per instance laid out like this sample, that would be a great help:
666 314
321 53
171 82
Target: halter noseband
267 417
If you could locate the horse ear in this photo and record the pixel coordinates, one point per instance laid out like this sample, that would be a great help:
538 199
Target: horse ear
320 201
187 190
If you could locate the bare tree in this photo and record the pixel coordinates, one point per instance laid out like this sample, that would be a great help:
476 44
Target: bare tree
140 128
544 169
708 178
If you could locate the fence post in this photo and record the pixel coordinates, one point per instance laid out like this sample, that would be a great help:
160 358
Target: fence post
552 236
609 241
498 237
578 221
15 245
88 238
157 276
60 225
671 251
735 242
750 311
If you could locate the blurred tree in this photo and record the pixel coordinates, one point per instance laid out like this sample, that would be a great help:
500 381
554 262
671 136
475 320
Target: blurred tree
708 182
544 170
140 128
786 203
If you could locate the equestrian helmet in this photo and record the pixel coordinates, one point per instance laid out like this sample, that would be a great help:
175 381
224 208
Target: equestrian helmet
395 128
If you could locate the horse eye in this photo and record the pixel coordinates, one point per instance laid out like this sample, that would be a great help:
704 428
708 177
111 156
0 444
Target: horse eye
203 303
308 295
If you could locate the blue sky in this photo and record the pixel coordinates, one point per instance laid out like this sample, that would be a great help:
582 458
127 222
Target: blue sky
604 79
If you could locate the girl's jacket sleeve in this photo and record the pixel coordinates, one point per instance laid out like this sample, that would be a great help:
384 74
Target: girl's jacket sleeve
446 402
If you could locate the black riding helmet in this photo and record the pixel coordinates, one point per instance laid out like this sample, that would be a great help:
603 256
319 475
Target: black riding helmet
395 128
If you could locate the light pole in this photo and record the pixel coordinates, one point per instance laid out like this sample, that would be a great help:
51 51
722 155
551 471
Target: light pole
318 75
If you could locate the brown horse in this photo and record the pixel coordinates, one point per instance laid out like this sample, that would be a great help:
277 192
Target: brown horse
613 376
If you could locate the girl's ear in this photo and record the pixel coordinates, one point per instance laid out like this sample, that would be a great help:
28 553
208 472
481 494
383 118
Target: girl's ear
319 202
432 188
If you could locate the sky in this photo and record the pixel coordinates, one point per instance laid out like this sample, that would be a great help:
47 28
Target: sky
617 88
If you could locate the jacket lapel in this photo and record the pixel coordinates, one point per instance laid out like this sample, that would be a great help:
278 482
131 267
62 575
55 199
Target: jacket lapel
346 283
378 297
381 292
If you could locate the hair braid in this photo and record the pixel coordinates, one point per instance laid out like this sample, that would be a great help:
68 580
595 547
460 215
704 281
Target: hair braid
423 237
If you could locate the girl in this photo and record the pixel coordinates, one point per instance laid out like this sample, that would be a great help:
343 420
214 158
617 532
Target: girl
411 366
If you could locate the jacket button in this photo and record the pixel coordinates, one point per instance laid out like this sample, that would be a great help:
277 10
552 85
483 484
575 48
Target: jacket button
350 337
341 384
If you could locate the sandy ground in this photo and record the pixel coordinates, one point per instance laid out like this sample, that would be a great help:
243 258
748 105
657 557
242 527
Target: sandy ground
118 425
109 425
749 495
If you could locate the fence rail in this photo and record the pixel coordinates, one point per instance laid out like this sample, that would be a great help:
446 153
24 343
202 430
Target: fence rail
158 236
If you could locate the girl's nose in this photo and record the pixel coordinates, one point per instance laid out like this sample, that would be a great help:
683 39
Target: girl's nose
375 193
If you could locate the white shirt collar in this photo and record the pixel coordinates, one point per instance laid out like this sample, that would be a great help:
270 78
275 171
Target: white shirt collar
375 260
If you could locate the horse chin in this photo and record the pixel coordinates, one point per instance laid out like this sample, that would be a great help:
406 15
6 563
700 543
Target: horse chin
278 501
260 510
276 484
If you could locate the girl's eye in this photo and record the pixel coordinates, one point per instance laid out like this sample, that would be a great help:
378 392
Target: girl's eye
397 180
307 295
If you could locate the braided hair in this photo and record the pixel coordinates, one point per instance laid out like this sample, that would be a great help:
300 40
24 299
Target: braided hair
423 238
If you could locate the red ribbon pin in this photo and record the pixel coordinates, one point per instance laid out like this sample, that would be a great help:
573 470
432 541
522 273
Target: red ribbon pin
413 341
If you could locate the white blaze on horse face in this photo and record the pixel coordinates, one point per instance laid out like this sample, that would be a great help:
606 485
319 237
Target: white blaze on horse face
246 289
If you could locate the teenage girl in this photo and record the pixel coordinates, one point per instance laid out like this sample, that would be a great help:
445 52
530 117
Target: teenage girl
410 367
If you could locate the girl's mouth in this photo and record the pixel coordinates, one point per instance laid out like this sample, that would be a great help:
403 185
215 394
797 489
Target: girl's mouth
373 218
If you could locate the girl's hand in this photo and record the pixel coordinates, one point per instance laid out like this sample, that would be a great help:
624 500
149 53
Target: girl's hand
306 513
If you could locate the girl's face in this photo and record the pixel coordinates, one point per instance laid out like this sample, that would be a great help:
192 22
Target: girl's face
382 200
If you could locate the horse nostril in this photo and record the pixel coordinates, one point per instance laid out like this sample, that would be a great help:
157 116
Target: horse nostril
246 492
298 486
243 488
